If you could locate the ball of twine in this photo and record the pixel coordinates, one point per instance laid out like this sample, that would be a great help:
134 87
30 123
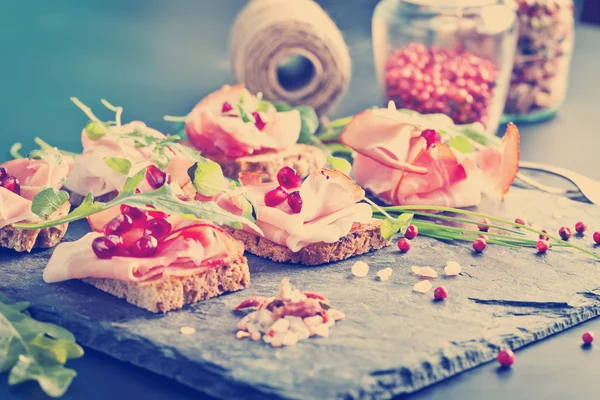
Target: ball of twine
266 33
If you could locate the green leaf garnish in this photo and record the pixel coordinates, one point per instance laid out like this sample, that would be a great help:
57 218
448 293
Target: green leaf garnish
14 151
46 202
340 164
134 181
389 227
207 178
248 208
94 130
34 350
462 144
118 164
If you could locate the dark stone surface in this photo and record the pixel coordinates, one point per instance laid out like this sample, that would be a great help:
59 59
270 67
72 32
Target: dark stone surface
393 341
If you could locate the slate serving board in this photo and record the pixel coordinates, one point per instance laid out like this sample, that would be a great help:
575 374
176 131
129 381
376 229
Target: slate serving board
393 341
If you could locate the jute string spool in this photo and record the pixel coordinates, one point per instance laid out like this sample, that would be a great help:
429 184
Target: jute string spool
267 33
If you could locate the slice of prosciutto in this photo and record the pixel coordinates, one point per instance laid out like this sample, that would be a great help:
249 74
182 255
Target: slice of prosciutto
92 174
394 162
330 210
34 176
192 248
217 132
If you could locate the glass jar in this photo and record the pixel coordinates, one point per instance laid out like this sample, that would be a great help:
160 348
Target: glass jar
450 57
539 78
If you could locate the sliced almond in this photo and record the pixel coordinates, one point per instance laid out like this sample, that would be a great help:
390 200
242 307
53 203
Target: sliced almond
422 287
428 272
416 270
452 268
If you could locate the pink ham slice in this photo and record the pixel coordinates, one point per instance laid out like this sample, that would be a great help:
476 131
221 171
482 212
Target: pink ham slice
14 208
213 133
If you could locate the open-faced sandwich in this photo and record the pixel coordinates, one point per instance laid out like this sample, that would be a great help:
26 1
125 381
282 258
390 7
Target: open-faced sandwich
20 181
153 260
113 152
315 221
405 158
243 133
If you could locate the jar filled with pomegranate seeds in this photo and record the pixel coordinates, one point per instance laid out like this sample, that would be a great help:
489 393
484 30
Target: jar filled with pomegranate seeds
446 56
539 79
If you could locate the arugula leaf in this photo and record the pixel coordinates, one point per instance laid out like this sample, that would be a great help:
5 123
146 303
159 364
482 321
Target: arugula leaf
121 165
248 209
46 202
389 227
207 178
134 181
95 130
340 164
462 144
34 350
14 150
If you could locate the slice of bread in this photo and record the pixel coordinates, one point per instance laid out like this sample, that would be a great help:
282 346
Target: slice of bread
174 292
26 240
302 157
363 239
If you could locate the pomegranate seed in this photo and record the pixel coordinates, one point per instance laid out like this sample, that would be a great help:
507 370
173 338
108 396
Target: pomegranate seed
479 245
403 245
431 136
158 228
295 202
275 197
440 293
11 183
118 225
289 178
129 238
155 177
484 228
411 232
506 358
226 107
580 227
104 247
138 216
259 123
542 246
484 237
520 221
155 213
564 232
588 337
3 173
544 237
144 247
597 237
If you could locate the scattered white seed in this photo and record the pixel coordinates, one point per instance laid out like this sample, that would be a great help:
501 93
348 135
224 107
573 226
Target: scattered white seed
187 330
360 269
256 336
428 272
242 324
416 270
267 338
242 334
313 321
277 342
290 339
422 287
303 334
253 327
452 268
330 323
384 274
264 317
322 330
336 315
281 325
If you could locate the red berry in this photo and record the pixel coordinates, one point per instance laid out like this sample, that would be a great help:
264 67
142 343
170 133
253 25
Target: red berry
118 225
3 173
258 121
597 237
403 245
588 337
544 237
275 197
104 247
542 246
440 293
411 232
520 221
155 213
507 358
289 178
226 107
295 202
580 227
484 228
564 232
11 183
155 177
158 228
138 216
484 237
144 247
431 136
479 245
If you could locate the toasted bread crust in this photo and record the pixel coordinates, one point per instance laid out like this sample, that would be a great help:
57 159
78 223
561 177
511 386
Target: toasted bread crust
302 157
25 240
174 292
362 240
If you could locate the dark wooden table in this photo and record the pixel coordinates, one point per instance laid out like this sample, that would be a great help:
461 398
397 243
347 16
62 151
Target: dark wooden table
155 57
